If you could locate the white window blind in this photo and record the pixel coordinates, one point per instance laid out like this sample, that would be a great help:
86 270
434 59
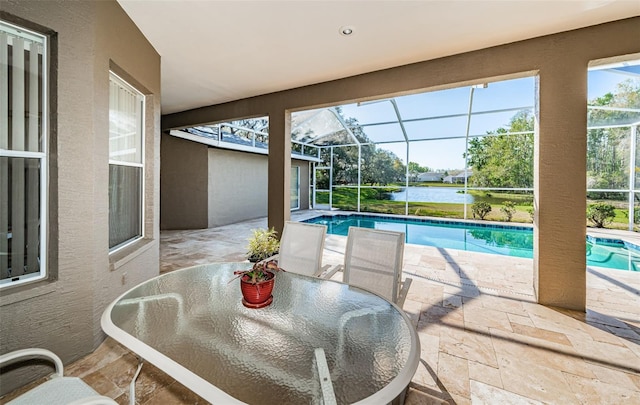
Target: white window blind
126 157
23 155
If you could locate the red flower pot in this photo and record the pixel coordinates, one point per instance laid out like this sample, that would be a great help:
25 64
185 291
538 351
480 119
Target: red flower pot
257 295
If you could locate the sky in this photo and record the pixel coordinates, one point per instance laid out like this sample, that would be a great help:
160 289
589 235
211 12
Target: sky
447 154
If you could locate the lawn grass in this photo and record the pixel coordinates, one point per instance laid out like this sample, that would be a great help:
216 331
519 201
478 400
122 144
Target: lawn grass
372 200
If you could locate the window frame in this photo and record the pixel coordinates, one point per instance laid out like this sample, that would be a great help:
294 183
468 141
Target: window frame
142 125
297 189
46 122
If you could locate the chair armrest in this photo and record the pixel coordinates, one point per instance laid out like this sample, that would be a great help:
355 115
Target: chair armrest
402 295
329 273
32 353
268 259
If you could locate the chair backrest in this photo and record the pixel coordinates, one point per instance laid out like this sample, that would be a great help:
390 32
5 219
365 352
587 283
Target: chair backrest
301 248
373 260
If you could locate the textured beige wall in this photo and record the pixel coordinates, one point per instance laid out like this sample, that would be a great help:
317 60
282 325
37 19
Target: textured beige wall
64 315
184 184
237 186
561 60
208 187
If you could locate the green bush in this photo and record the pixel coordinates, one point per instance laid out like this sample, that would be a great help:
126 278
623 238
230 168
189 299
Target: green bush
480 209
263 243
601 214
508 209
531 213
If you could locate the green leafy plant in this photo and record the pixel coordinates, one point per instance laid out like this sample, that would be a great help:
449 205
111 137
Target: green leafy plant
263 243
259 272
508 209
480 209
531 213
601 214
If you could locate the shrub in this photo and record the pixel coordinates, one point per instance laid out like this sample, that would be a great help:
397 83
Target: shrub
601 214
508 209
480 209
531 213
263 243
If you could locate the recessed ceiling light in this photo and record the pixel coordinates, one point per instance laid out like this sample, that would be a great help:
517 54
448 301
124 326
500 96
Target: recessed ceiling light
346 30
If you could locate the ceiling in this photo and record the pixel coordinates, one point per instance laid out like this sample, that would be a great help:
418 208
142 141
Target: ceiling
217 51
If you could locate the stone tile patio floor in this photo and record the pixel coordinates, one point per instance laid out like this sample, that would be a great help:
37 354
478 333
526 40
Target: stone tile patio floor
484 339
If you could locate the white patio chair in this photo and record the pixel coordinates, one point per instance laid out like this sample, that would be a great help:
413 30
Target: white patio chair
301 248
58 390
373 261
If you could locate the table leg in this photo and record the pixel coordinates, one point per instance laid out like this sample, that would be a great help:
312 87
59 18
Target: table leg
132 386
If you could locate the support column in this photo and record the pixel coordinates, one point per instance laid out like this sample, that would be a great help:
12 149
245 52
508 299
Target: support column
560 186
279 198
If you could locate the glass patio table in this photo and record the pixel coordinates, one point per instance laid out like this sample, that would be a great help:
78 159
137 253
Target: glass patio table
320 341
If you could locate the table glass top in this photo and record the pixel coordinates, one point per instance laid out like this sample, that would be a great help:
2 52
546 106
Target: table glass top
195 317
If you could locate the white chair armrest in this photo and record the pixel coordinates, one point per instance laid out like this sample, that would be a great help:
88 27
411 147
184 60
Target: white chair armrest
32 353
402 295
327 274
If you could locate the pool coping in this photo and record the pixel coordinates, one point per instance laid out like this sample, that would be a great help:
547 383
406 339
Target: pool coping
601 236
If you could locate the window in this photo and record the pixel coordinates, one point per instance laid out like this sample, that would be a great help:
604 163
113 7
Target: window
23 155
295 188
126 170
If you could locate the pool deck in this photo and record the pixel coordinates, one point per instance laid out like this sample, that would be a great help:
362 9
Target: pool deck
483 337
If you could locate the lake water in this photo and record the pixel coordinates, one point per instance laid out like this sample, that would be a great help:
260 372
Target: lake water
433 194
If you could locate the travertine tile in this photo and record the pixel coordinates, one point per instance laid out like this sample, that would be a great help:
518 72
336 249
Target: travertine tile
485 374
175 394
535 381
470 346
520 320
453 372
534 351
487 317
423 396
542 334
616 377
593 391
451 301
489 394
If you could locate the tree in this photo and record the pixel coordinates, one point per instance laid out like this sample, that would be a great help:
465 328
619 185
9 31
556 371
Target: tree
382 168
601 214
608 148
377 166
503 160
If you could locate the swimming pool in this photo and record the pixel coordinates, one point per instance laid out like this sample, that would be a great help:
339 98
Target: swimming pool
498 239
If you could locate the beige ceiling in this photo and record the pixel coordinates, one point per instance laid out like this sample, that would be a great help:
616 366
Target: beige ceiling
217 51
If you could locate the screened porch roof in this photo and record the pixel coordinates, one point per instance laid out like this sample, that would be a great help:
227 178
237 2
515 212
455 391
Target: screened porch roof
459 112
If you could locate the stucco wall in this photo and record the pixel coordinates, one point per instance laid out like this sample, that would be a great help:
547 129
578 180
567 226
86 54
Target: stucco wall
208 187
184 184
63 315
237 186
561 61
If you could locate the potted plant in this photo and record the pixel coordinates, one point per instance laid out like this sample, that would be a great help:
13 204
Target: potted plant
263 244
256 284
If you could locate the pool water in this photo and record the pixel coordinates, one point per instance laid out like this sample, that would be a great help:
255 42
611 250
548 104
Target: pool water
504 240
